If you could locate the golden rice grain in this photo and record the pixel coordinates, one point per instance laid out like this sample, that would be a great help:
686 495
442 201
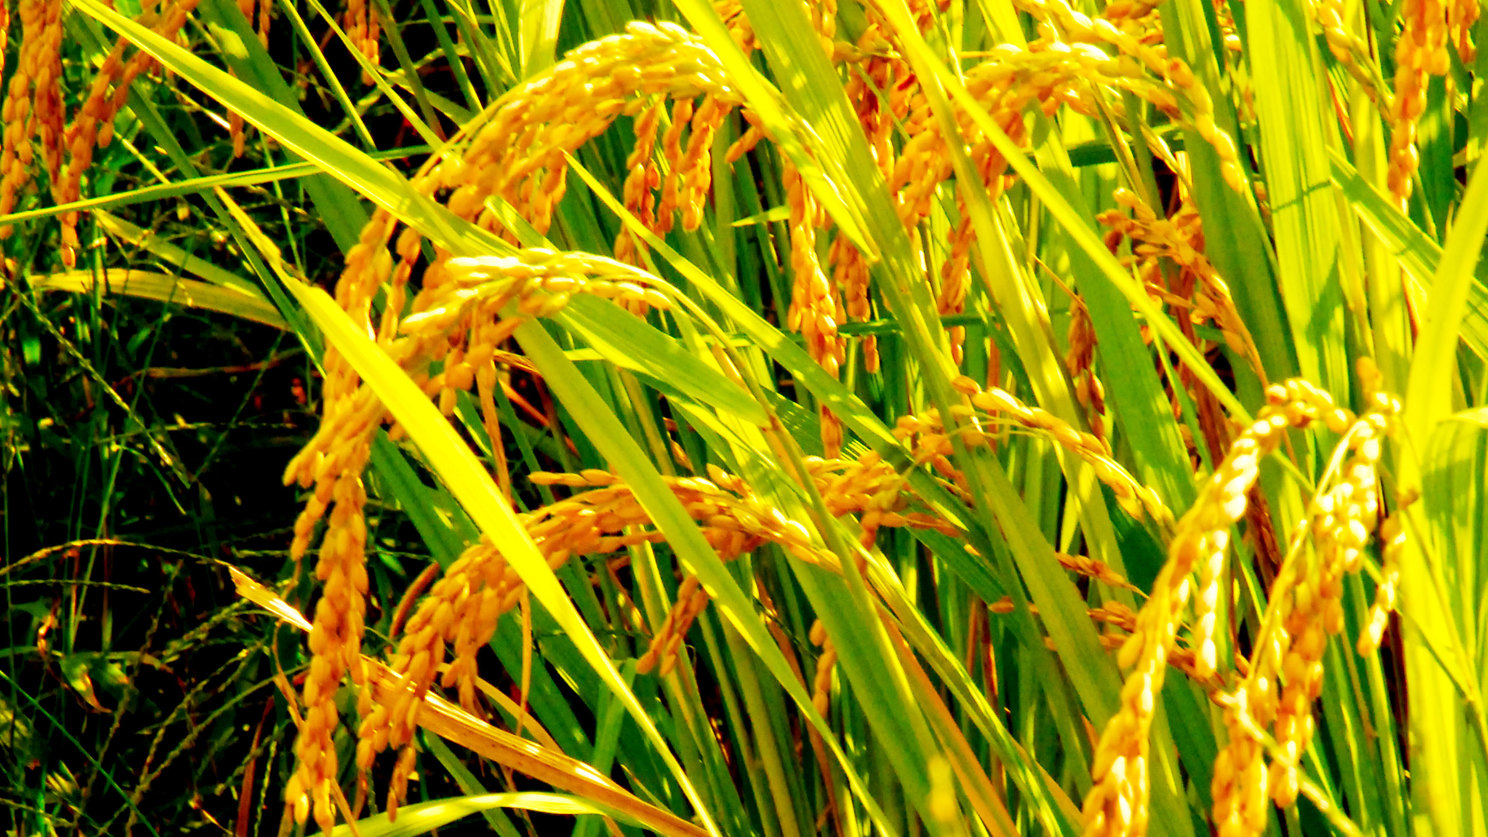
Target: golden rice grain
1098 570
1392 541
1304 610
1131 15
1117 804
815 306
813 309
1343 518
33 103
265 14
1195 287
1049 73
1348 48
365 32
1420 53
746 142
4 35
732 14
823 16
1181 241
335 643
461 610
1240 782
826 664
332 462
697 161
1228 31
641 181
955 276
850 274
1177 77
671 149
81 138
43 59
689 175
1461 15
1079 361
398 782
1134 497
691 599
877 91
527 134
93 124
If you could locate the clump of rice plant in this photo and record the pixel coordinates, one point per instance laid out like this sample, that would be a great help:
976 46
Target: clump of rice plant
886 417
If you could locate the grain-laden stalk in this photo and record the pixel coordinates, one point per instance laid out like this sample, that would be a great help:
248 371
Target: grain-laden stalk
35 115
662 655
457 319
33 102
446 335
1304 610
34 112
462 608
1350 50
365 32
1050 73
1079 362
1179 87
1427 27
1180 240
826 664
518 153
1136 499
1194 290
471 303
1420 53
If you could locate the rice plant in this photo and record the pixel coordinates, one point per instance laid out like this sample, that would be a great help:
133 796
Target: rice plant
778 418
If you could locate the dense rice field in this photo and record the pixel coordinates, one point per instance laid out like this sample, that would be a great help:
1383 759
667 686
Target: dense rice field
759 417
